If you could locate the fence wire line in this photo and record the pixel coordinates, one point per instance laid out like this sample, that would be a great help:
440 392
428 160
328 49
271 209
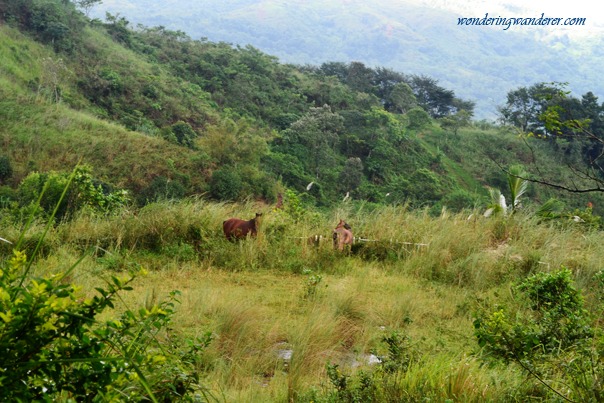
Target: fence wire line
356 239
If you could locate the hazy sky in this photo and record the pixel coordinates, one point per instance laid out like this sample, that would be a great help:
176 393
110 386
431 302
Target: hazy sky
589 9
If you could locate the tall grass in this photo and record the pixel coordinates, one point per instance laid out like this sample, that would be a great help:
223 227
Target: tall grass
253 295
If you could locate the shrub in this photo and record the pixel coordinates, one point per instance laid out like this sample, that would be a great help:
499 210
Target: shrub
424 185
184 134
68 195
460 199
225 184
551 339
47 188
162 188
6 169
418 118
555 321
53 346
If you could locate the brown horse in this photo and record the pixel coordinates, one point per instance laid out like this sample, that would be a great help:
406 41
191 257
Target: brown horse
342 235
235 228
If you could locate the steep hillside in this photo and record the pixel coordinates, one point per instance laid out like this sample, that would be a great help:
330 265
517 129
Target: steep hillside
39 134
479 63
164 116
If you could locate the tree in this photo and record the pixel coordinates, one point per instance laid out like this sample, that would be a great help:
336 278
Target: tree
401 99
516 186
183 133
54 74
318 132
360 77
53 22
329 91
464 105
352 175
336 69
118 28
520 109
225 184
232 142
456 121
418 118
548 112
384 81
87 5
435 100
525 105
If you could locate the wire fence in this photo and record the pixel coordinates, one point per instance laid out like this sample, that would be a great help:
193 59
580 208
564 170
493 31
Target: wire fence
321 238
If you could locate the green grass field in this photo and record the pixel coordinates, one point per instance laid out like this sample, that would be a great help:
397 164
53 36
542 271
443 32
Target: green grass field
264 297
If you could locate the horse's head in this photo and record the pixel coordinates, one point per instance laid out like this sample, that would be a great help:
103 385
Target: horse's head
255 222
343 224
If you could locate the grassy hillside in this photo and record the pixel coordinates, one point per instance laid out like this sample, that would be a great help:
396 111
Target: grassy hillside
481 63
42 135
161 115
434 301
289 321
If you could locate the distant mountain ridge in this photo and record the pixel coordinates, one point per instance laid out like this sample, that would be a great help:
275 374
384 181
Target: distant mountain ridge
478 63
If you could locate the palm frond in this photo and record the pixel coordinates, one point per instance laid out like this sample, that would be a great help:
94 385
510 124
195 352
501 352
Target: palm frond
517 185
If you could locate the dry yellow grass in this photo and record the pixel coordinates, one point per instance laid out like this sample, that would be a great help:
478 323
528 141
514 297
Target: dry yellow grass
254 296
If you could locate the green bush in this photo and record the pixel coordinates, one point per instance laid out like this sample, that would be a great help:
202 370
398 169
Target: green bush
47 188
162 188
555 321
81 190
54 22
418 118
225 184
55 348
424 186
551 339
183 134
6 169
460 199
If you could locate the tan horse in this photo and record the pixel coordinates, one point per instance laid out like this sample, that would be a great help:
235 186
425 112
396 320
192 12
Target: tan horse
342 235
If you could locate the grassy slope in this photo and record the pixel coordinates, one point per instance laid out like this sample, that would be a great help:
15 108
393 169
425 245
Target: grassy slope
46 136
470 157
402 35
254 296
43 136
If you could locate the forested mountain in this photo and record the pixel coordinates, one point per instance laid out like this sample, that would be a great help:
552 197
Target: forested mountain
162 115
478 63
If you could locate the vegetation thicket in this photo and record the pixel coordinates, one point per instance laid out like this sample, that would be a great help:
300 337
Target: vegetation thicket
124 150
236 121
279 319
